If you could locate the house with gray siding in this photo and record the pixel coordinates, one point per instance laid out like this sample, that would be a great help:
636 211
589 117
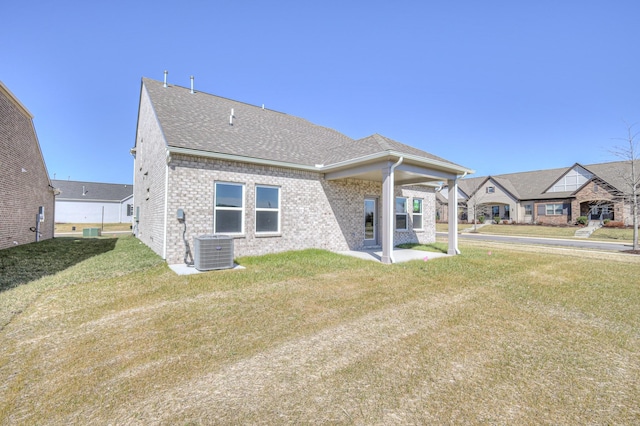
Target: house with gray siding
207 165
552 196
26 193
93 202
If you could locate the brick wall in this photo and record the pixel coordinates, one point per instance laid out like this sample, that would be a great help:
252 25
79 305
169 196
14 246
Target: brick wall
552 219
24 181
150 171
315 213
597 193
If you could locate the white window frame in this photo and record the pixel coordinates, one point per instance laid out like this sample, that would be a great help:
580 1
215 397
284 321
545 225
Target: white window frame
240 209
554 209
267 209
491 189
419 214
402 213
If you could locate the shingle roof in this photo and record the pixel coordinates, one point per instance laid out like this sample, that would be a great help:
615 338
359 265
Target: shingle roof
93 191
201 121
532 185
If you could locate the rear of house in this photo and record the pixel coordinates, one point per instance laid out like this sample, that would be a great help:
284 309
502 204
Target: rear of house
26 193
273 182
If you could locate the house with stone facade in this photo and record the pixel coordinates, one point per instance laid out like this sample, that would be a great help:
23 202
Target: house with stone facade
93 202
553 196
207 165
26 194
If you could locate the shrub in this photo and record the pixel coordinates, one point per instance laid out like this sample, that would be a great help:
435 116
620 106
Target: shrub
582 220
614 224
497 220
481 219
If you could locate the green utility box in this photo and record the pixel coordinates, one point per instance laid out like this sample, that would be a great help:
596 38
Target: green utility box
91 232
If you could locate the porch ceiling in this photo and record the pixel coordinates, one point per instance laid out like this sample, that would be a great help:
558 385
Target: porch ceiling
409 172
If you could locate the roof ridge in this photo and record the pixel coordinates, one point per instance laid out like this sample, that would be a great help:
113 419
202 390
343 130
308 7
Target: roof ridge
220 97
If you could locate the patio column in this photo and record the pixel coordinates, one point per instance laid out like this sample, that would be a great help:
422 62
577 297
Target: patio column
387 213
452 205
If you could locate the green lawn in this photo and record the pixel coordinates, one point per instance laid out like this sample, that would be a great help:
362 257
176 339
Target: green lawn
103 332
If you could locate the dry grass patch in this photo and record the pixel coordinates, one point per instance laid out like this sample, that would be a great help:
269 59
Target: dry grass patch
312 337
105 227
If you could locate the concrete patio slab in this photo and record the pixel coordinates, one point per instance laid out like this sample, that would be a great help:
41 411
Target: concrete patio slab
399 255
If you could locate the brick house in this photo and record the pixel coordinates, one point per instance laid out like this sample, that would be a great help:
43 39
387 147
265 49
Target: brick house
26 194
553 196
93 202
272 181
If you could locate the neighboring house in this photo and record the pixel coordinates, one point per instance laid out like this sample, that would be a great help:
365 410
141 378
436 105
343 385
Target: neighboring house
93 202
26 194
274 182
555 196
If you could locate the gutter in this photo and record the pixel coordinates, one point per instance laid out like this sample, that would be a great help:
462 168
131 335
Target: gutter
391 207
321 168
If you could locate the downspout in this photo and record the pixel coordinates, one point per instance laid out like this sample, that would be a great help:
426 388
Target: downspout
391 207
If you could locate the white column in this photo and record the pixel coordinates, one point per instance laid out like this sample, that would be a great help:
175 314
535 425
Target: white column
452 205
387 214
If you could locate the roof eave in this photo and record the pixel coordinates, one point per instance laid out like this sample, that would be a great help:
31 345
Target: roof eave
449 167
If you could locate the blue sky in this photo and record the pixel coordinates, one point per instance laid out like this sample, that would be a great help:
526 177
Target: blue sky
497 86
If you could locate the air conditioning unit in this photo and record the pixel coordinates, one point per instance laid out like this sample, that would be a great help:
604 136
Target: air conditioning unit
213 252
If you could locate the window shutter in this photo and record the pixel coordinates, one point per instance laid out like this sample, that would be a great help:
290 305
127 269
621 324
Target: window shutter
542 209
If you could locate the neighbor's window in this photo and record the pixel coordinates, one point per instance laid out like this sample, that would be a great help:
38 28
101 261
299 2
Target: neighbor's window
417 213
554 209
129 209
528 209
491 189
228 216
401 214
267 209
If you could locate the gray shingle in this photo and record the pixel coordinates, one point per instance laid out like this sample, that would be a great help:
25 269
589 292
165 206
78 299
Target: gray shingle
73 190
200 121
532 185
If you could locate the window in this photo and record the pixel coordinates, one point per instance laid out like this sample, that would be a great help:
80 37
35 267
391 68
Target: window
129 209
507 212
267 209
528 209
491 189
228 216
495 211
417 213
573 180
553 209
401 213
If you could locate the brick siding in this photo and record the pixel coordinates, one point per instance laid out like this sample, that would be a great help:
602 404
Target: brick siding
315 213
24 182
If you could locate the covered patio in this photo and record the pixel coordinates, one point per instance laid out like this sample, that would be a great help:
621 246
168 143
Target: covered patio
394 169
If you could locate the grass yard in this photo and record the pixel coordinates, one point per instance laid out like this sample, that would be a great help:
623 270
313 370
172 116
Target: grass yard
487 337
604 234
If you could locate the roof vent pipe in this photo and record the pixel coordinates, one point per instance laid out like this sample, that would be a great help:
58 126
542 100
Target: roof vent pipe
165 77
231 118
192 85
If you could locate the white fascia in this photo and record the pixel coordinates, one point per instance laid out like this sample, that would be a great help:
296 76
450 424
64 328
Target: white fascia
320 167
